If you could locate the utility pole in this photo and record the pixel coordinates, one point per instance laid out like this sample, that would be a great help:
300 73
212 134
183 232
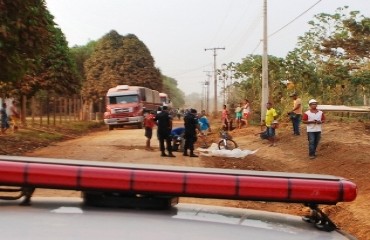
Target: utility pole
206 85
214 76
202 101
265 82
224 77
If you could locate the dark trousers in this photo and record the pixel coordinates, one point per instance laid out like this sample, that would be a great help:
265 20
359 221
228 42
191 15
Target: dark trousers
189 143
313 141
296 122
168 141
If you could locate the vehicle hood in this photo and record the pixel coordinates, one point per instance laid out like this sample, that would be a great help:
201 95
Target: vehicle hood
68 218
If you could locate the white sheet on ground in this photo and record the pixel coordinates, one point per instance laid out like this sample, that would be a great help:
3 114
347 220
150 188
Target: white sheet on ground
213 151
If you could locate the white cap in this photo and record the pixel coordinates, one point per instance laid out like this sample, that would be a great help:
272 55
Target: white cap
312 101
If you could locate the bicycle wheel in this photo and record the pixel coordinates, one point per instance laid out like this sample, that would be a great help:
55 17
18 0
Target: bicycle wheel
227 144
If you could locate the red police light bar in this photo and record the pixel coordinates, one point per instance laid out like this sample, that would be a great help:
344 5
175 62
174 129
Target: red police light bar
174 181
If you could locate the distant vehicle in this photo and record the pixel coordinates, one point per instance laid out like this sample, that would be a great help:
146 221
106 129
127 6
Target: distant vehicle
165 100
125 105
113 193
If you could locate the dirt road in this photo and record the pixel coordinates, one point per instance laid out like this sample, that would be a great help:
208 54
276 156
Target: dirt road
344 151
120 145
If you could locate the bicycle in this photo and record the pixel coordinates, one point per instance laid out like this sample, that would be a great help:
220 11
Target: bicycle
226 141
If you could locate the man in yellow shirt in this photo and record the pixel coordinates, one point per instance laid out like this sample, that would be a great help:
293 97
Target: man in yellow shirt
271 123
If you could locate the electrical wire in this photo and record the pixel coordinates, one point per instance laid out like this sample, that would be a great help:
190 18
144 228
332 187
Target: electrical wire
300 15
191 70
251 29
255 49
243 40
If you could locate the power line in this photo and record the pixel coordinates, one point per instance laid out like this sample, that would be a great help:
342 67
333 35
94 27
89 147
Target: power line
255 49
192 70
243 39
300 15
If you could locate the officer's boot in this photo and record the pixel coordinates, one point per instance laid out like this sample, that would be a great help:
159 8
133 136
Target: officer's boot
185 152
192 154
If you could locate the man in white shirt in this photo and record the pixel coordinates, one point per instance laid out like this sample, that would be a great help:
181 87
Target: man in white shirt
314 119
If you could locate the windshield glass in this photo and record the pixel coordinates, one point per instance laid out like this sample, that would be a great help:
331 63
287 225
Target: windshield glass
163 99
123 99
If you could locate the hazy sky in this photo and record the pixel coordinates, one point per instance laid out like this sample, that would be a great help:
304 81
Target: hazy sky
178 31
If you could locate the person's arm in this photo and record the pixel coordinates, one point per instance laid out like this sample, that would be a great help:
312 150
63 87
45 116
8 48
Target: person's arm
209 125
323 118
305 119
197 125
275 115
170 122
154 121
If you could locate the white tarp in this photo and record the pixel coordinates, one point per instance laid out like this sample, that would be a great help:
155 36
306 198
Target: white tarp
213 151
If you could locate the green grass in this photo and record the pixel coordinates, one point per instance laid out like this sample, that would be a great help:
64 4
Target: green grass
81 126
59 131
38 136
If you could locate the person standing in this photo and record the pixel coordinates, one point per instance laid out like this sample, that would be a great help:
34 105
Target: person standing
149 123
191 125
246 111
296 114
164 122
14 116
239 115
4 119
314 119
270 122
225 119
204 127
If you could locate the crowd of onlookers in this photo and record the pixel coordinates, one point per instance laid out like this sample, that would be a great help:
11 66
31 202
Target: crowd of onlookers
197 125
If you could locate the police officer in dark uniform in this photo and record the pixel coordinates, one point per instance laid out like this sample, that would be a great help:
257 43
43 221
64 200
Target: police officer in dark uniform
164 122
191 124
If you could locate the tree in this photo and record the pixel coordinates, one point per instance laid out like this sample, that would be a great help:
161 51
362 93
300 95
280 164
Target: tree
351 37
249 71
139 64
337 49
80 54
37 52
119 60
56 72
175 94
24 36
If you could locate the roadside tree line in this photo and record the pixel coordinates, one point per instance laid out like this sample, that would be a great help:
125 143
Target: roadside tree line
330 63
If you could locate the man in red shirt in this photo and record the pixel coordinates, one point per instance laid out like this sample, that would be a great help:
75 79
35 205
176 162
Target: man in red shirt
149 123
